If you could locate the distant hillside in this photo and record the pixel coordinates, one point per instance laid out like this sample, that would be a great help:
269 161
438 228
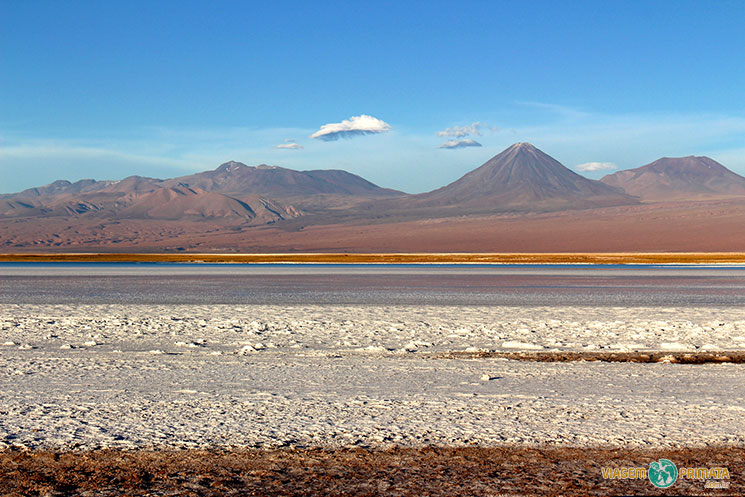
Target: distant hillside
189 203
141 198
278 182
63 187
233 190
678 178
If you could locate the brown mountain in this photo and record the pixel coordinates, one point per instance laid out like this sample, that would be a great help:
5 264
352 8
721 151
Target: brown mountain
678 179
231 178
231 190
60 187
24 207
144 198
63 187
180 203
520 178
278 182
131 184
65 204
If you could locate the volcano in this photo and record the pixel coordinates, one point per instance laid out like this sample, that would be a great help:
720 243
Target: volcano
679 178
522 178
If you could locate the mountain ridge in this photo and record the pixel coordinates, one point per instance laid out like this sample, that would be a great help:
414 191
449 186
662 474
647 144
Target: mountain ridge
234 177
678 178
514 200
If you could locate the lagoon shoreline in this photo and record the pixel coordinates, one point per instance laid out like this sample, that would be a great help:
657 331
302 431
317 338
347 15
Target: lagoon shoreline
392 258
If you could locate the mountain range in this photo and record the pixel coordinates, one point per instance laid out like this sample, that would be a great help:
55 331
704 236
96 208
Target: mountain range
232 191
240 207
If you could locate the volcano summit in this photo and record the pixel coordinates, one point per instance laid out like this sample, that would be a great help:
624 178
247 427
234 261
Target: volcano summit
521 178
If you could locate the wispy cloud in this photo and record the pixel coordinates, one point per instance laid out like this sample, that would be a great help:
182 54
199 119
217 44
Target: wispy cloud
563 111
39 162
460 131
36 149
596 166
463 131
349 128
632 140
460 143
289 145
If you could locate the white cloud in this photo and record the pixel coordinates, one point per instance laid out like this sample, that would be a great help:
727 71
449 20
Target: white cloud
349 128
289 145
460 144
462 131
596 166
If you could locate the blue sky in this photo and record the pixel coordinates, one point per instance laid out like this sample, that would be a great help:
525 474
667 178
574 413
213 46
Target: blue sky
158 88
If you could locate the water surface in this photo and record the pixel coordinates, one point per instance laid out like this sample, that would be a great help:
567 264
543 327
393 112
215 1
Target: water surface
420 284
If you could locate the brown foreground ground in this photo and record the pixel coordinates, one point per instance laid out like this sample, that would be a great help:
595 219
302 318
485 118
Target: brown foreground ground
356 471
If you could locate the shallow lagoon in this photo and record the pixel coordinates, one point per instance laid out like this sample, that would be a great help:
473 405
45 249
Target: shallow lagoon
424 284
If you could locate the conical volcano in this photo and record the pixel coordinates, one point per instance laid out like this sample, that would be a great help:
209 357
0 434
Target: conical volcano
523 178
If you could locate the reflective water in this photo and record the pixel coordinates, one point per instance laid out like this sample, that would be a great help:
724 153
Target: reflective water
531 285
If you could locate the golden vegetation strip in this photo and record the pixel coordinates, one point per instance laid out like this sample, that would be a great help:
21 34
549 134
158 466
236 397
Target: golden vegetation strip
403 472
734 357
408 258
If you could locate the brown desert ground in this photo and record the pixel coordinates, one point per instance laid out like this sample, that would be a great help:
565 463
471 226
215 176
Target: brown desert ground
702 226
433 471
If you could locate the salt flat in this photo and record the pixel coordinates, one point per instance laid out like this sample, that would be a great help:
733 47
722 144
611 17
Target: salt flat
227 329
131 376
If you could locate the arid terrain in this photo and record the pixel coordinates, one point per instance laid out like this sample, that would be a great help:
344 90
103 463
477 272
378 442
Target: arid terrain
719 226
521 200
405 472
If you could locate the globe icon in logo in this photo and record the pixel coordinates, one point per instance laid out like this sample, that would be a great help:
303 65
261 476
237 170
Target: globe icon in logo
662 473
